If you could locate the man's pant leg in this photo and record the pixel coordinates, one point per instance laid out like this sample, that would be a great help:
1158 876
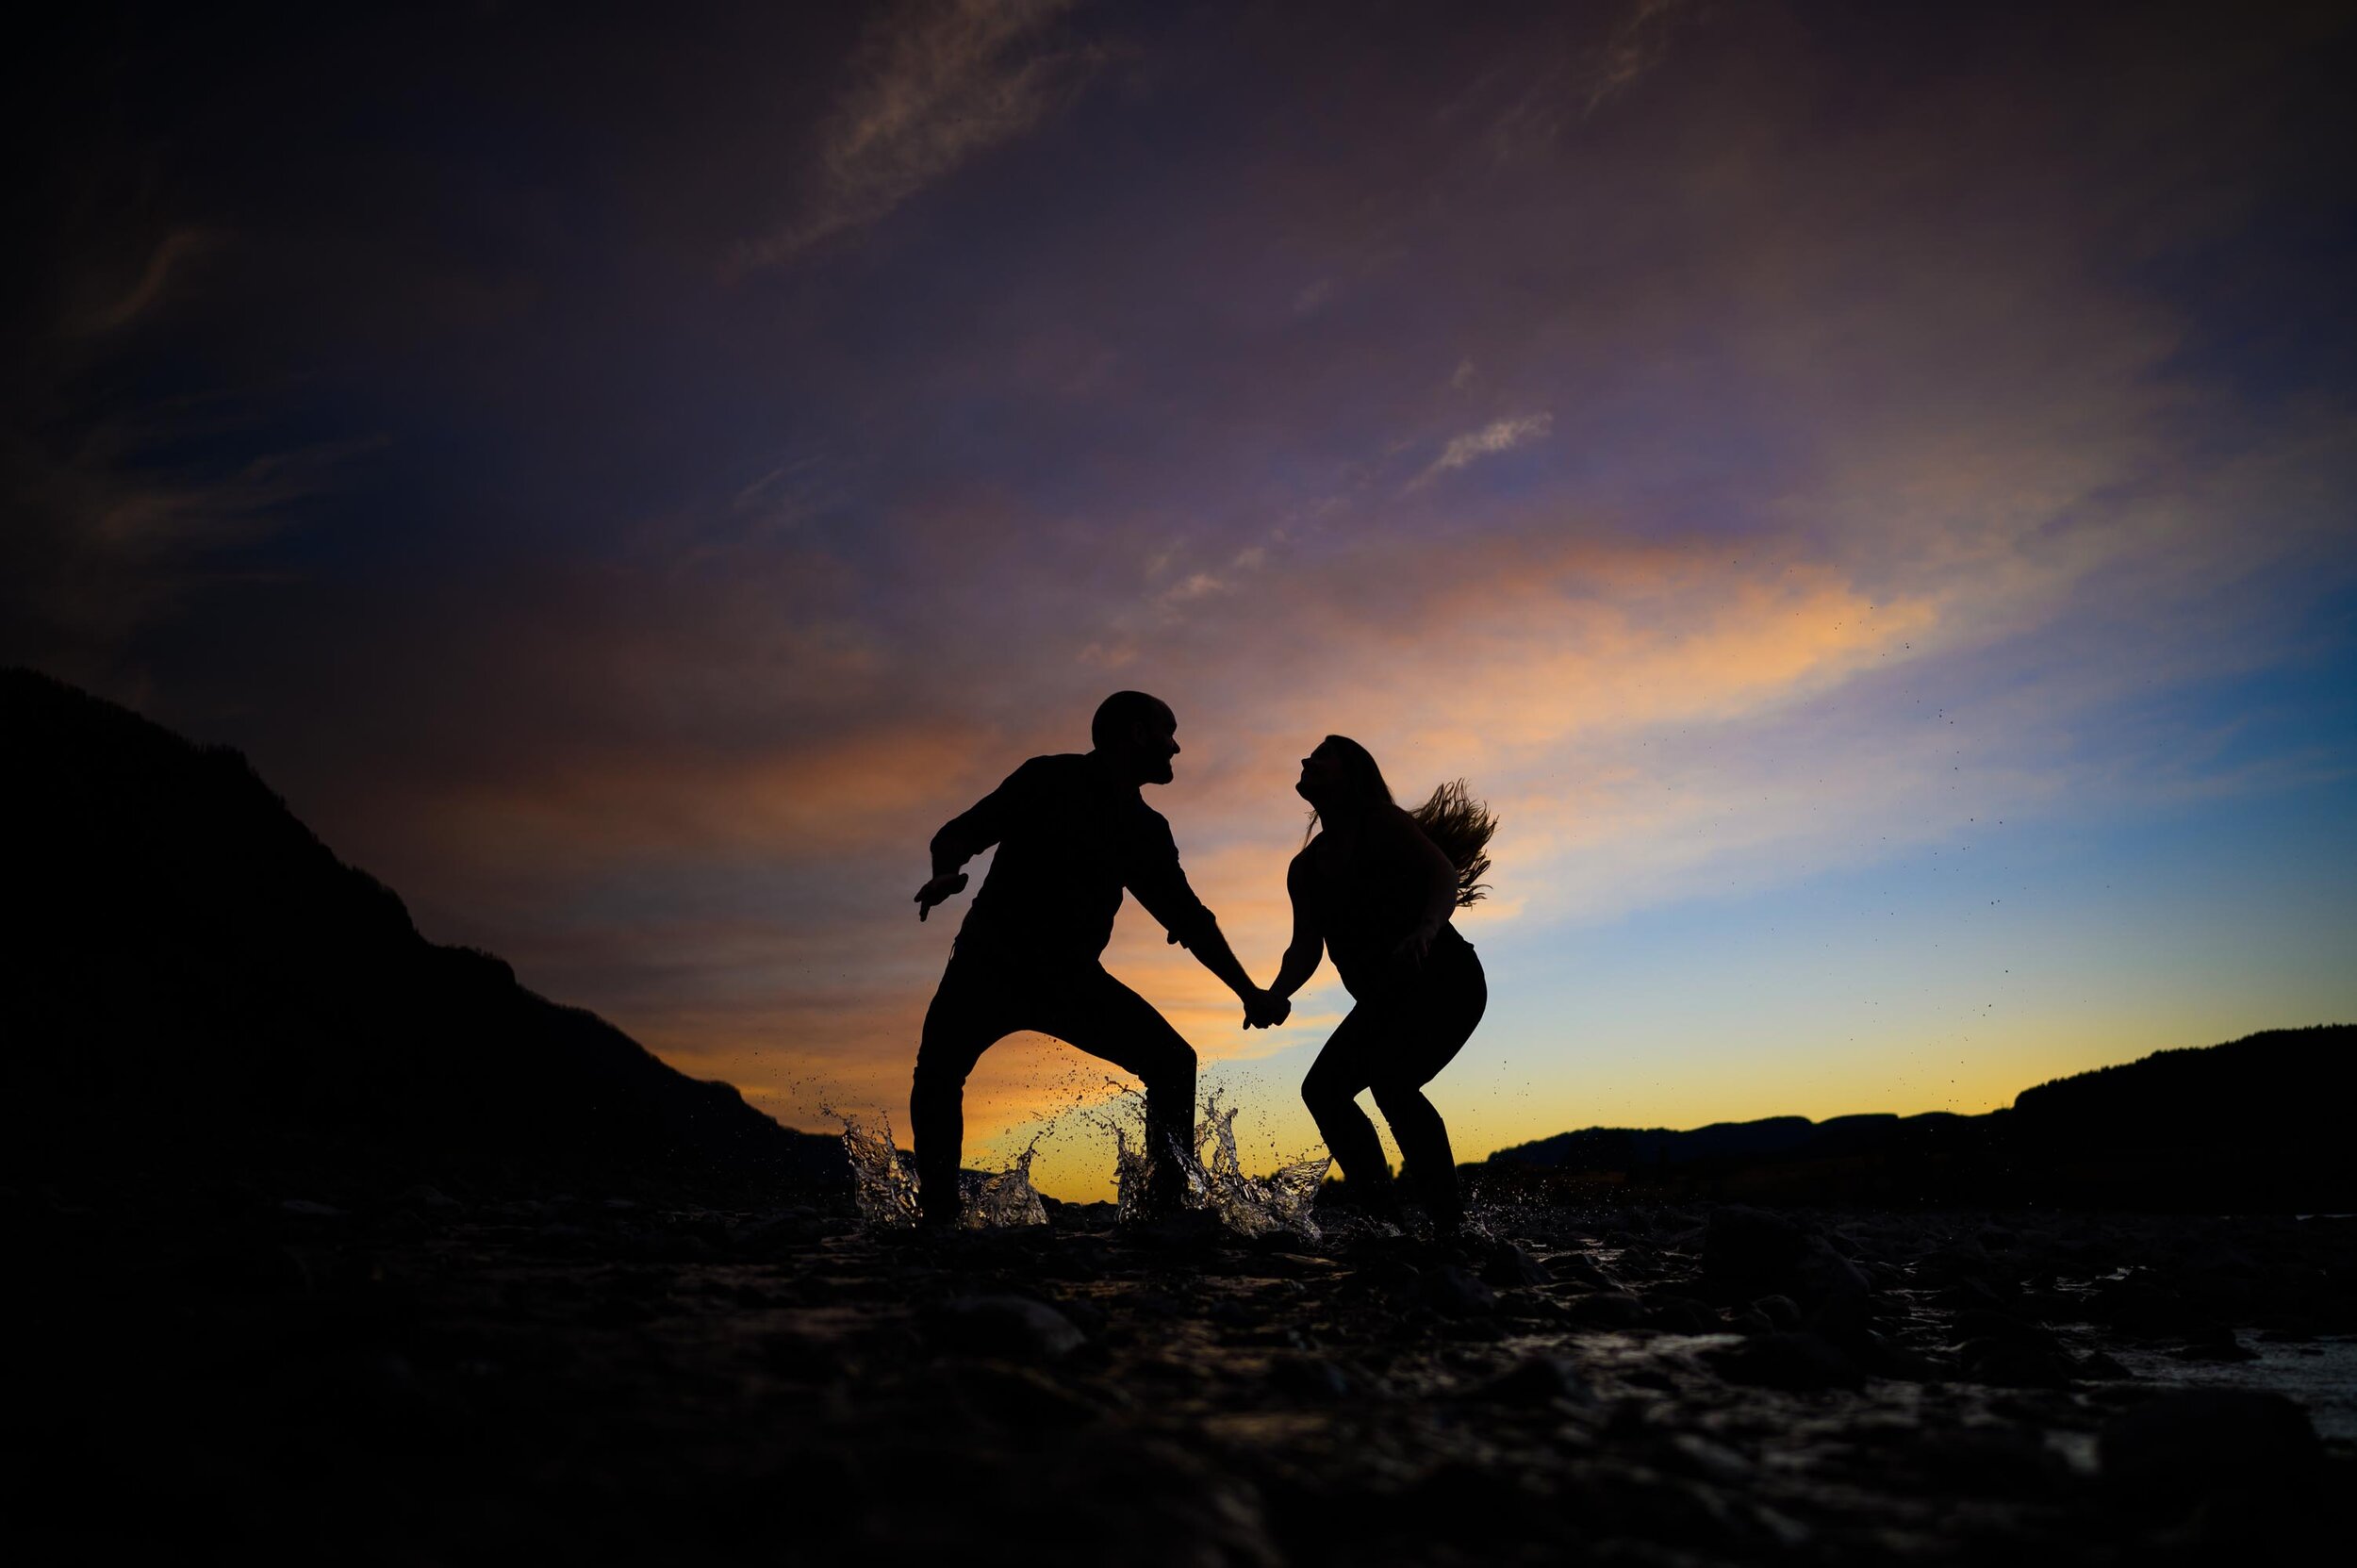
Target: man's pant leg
968 1014
1102 1016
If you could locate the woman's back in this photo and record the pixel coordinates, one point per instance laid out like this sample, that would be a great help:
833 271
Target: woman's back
1370 885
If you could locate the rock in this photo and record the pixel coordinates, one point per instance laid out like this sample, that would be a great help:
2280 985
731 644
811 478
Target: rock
1749 1252
1303 1376
252 1267
1507 1266
2095 1363
1682 1315
1020 1398
1453 1293
1575 1268
2181 1446
1781 1311
2013 1363
1009 1328
1712 1462
1608 1310
423 1197
1538 1381
2215 1345
1791 1361
304 1208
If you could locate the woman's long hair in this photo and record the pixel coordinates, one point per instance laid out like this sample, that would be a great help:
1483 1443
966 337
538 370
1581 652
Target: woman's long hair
1460 825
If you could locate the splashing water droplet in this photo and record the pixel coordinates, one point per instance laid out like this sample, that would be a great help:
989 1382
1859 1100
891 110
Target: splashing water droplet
885 1183
1007 1199
1250 1206
882 1181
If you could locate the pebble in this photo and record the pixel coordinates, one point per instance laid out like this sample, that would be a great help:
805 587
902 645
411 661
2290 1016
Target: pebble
1012 1328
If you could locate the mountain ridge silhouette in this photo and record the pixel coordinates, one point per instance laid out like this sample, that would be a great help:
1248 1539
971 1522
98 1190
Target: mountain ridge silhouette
195 978
2252 1123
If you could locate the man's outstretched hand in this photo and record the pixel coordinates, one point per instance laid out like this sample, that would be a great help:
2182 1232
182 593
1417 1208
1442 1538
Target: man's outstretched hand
1265 1010
938 889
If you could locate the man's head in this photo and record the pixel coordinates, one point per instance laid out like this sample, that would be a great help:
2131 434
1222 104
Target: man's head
1137 734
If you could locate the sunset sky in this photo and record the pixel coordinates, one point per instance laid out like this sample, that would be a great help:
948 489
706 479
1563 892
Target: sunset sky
1868 493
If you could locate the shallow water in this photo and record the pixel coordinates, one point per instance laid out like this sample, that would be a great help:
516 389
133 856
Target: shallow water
1216 1183
885 1186
2320 1374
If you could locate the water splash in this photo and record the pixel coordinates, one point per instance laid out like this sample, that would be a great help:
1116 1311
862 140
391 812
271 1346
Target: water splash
1250 1206
1008 1198
883 1180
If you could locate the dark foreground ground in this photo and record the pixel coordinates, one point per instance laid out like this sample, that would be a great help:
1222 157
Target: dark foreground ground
262 1376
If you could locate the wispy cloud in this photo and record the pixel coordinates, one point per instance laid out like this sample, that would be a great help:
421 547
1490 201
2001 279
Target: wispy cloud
938 84
1492 438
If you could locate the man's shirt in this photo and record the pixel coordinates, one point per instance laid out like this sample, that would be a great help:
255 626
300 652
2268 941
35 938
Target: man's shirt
1070 837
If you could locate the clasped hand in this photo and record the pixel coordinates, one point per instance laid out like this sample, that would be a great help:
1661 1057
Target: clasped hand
1265 1010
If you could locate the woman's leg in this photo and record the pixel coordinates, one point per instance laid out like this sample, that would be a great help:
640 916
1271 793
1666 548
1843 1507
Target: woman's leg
1331 1093
1433 1027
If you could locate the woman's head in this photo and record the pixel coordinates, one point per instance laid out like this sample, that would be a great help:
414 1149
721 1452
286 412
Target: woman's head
1340 776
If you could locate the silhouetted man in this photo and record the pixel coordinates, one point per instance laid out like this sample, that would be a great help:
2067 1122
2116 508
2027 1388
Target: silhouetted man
1072 831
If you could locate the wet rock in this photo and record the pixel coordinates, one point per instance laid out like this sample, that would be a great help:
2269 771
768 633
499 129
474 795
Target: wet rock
426 1197
803 1357
1883 1357
1985 1462
1311 1377
1781 1311
305 1207
1608 1310
1453 1293
1682 1315
1749 1252
1507 1266
2180 1446
2013 1363
1011 1328
1791 1362
2217 1344
1538 1380
1575 1268
1021 1397
2095 1363
1712 1462
251 1267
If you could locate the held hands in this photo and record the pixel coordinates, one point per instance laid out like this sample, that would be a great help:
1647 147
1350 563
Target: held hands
1266 1009
938 889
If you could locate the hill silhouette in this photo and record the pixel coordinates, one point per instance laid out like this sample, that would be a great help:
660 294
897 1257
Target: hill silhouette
2253 1124
192 978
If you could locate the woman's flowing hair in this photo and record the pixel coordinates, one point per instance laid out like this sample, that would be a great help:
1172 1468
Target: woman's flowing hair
1452 818
1461 826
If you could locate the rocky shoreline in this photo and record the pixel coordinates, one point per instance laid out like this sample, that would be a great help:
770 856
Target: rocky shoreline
421 1378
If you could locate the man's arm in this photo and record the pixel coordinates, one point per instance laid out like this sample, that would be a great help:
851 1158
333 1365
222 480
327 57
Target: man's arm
966 836
1161 887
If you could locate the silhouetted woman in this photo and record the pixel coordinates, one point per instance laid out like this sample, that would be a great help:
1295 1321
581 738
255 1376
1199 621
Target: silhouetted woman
1375 886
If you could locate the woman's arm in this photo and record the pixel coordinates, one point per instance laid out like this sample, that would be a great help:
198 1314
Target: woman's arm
1309 942
1439 874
